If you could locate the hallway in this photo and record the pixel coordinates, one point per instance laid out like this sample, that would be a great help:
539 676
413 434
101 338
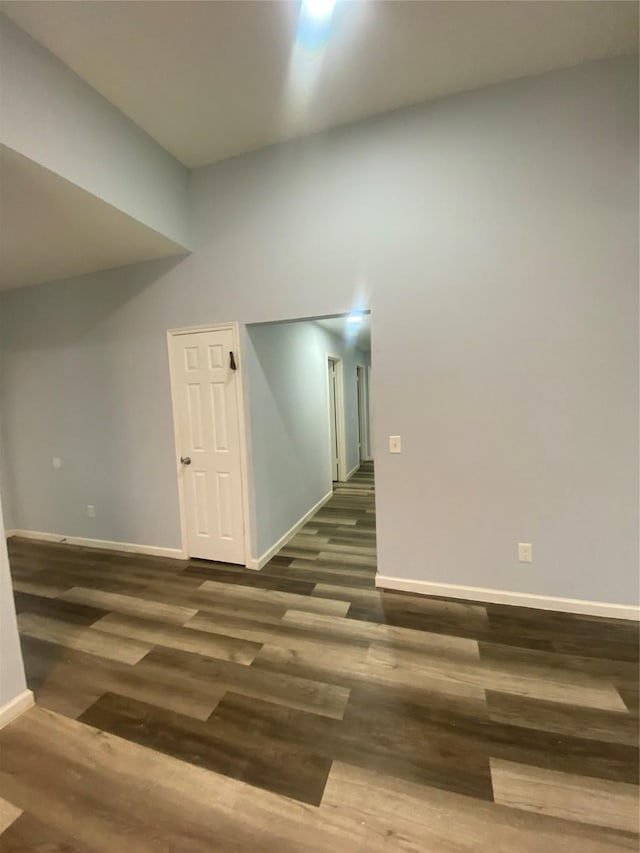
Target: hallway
190 706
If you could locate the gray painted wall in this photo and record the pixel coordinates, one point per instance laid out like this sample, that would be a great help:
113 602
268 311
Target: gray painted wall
12 680
288 414
85 379
53 117
494 235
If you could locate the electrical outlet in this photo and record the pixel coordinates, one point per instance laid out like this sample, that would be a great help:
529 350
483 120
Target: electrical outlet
56 462
395 444
525 552
91 511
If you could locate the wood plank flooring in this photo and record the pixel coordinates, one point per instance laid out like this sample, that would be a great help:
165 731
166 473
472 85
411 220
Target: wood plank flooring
194 706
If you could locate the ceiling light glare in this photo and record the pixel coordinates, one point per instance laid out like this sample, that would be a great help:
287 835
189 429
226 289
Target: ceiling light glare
319 8
354 319
314 25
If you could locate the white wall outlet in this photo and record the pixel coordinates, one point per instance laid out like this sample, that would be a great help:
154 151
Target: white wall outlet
395 444
525 552
91 511
56 462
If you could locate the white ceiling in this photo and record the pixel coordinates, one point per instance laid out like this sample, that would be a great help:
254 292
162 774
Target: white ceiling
359 334
52 229
211 79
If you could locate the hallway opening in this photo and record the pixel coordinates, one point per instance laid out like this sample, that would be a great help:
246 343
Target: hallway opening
308 404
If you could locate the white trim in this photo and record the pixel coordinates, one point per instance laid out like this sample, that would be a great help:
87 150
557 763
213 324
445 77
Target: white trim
244 442
370 404
518 599
207 327
362 405
353 470
259 562
242 427
105 544
340 416
16 706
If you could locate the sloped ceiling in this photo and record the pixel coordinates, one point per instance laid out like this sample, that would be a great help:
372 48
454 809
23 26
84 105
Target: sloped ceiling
211 79
51 229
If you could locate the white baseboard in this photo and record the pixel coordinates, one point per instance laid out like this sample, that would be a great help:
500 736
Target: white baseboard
258 562
18 705
352 471
518 599
106 544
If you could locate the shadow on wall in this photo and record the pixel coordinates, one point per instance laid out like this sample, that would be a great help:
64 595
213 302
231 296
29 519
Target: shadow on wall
82 355
60 313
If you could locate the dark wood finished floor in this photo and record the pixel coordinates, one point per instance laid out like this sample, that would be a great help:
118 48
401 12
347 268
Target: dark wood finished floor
191 706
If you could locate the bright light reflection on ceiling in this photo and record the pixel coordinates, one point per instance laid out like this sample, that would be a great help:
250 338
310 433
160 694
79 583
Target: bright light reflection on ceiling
314 24
311 39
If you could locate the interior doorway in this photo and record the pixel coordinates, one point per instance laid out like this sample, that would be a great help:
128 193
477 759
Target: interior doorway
362 387
336 418
302 407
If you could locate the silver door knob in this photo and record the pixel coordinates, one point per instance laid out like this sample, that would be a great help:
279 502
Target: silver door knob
186 460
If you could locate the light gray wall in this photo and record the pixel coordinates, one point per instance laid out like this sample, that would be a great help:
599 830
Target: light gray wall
288 413
12 680
493 234
287 392
85 379
53 117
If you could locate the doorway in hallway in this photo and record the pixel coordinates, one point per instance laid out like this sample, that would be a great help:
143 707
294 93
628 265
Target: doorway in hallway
308 387
336 418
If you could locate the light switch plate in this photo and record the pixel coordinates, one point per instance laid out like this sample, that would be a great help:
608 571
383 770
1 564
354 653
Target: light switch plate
395 444
525 552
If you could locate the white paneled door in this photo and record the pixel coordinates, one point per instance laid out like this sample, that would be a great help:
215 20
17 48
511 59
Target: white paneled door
206 414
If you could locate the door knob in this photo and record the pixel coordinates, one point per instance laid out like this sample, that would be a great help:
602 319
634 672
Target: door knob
186 460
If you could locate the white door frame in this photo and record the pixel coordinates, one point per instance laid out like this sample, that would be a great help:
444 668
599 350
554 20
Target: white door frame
340 426
188 330
370 405
363 411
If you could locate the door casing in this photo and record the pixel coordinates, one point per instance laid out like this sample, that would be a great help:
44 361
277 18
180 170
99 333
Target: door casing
363 411
340 425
